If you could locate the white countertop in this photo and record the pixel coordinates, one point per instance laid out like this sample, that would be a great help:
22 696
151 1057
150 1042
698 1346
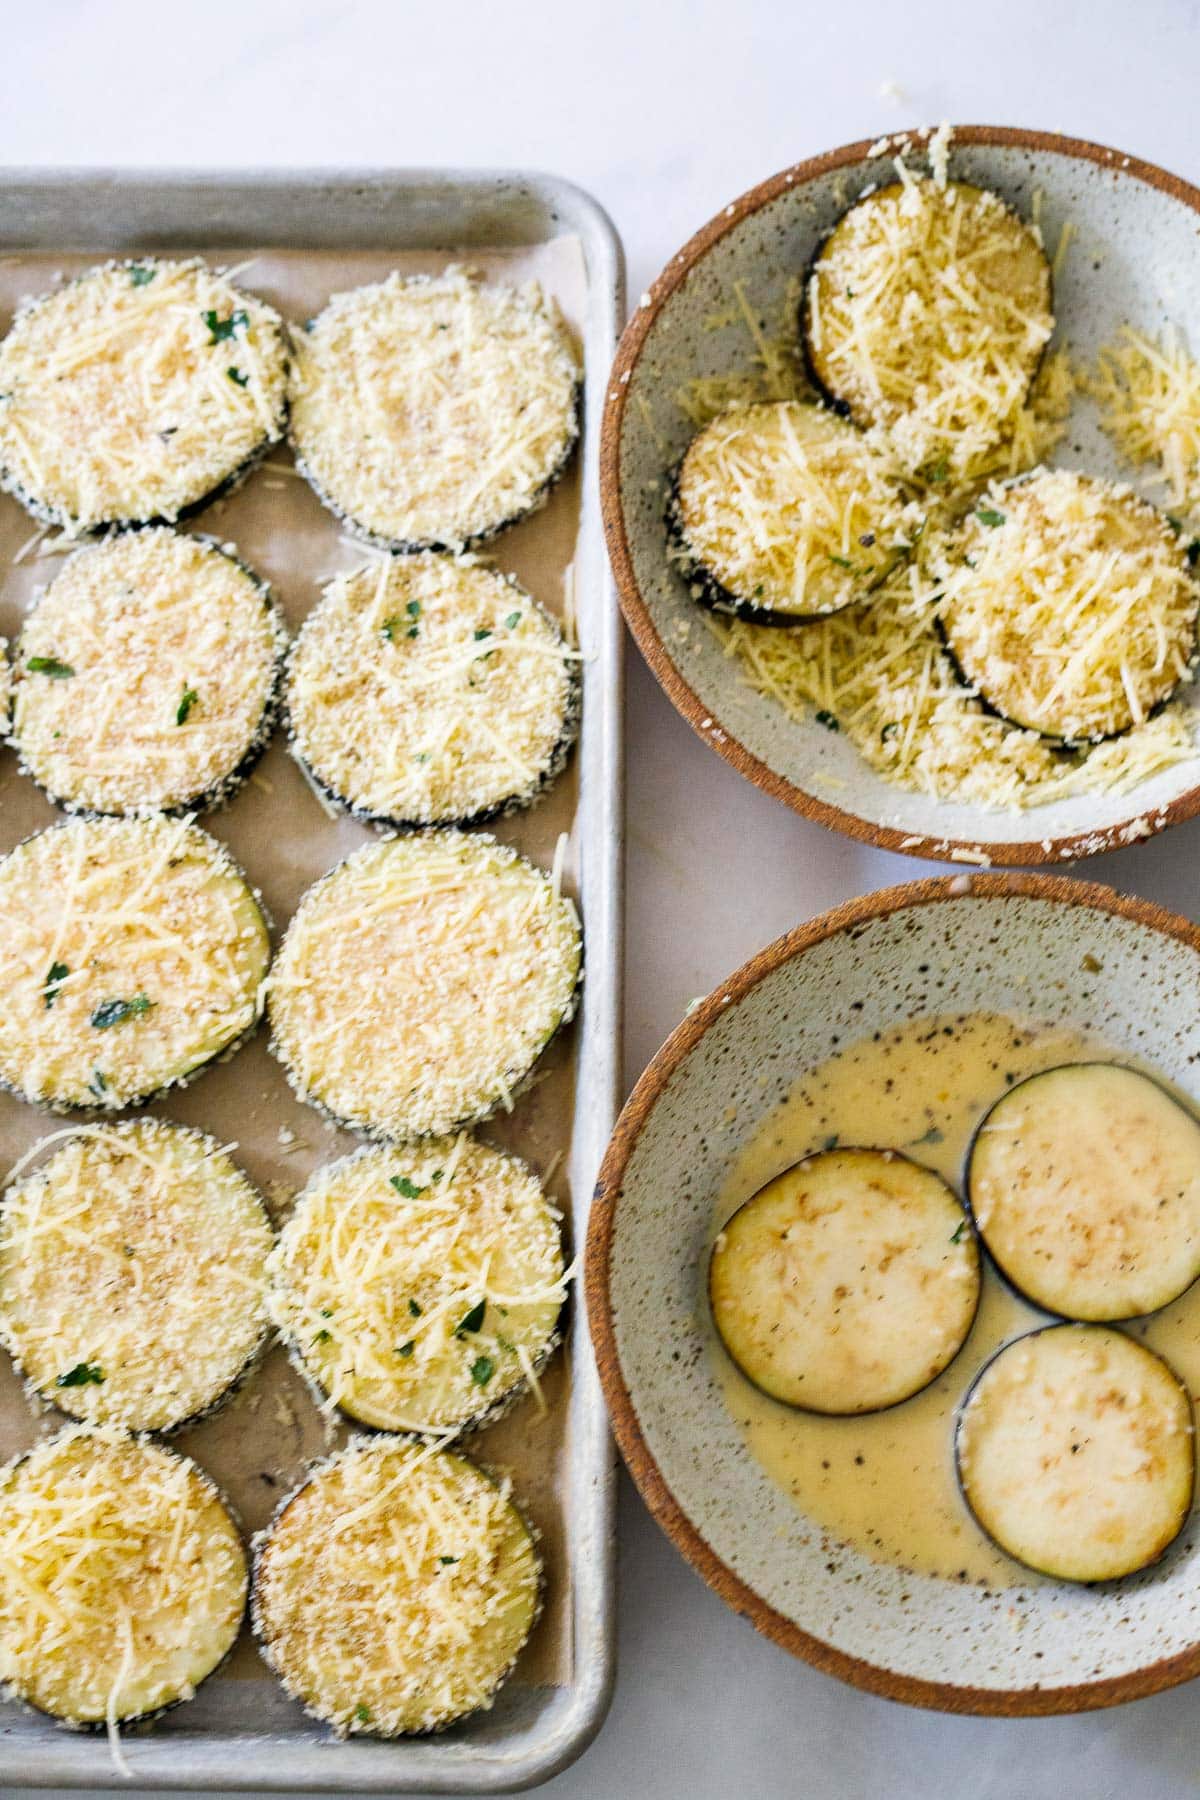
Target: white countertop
666 111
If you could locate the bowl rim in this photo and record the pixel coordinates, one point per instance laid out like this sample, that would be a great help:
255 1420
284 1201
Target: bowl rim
687 703
1030 1701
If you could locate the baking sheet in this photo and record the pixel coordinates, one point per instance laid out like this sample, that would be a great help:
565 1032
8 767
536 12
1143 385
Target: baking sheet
284 838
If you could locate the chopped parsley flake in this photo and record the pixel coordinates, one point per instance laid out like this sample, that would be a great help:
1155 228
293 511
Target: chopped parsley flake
481 632
187 700
482 1370
56 974
987 515
140 275
98 1085
938 471
221 329
362 1714
414 1309
471 1321
114 1012
50 665
403 1186
513 620
405 1349
82 1375
843 562
956 1234
447 1559
235 375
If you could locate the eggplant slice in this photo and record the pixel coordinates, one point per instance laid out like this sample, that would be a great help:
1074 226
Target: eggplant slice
137 393
419 1288
781 512
149 1317
429 412
395 1588
146 676
122 1577
846 1284
1075 1452
136 954
419 982
1068 604
429 690
1084 1182
925 313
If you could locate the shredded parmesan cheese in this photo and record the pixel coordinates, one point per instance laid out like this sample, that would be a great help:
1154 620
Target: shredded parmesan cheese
429 689
135 953
934 310
1068 604
136 391
395 1589
420 980
431 411
146 675
133 1275
1148 391
420 1286
122 1577
785 508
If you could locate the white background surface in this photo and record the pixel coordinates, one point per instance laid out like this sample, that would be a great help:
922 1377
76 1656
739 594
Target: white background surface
665 111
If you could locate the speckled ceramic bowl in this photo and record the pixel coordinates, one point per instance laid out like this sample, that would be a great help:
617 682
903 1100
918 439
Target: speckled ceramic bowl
1134 258
964 943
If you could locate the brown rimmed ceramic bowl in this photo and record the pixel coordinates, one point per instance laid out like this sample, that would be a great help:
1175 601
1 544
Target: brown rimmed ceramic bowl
1059 951
1134 258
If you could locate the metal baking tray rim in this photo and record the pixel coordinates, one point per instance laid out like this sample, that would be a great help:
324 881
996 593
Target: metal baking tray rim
112 209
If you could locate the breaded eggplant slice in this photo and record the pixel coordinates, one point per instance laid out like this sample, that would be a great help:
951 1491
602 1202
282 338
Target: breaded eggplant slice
429 412
137 393
147 676
1075 1452
1068 604
136 953
926 312
428 690
395 1589
419 982
122 1578
133 1275
419 1287
846 1284
782 512
1084 1183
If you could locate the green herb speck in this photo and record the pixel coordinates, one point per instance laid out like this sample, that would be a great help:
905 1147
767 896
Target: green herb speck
220 330
140 275
956 1234
513 620
987 515
323 1336
471 1321
362 1714
187 700
414 1309
447 1559
843 562
403 1186
236 376
405 1349
82 1375
482 1370
50 665
56 974
114 1012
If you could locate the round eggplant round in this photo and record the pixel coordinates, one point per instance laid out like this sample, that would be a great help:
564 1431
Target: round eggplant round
848 1283
1075 1452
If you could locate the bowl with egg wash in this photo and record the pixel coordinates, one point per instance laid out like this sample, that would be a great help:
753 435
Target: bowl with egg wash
901 1372
924 568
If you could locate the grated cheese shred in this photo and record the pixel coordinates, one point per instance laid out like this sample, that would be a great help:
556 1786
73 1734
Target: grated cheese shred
395 1589
389 1251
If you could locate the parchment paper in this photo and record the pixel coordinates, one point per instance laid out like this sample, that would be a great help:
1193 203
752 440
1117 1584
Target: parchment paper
258 1445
